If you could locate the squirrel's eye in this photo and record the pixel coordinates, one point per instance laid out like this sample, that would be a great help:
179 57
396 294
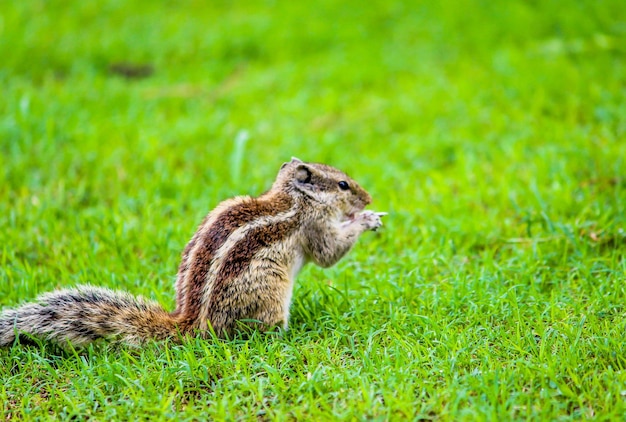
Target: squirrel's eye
343 185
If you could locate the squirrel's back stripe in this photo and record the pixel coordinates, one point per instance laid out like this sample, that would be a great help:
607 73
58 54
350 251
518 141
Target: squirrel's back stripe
215 231
236 257
244 250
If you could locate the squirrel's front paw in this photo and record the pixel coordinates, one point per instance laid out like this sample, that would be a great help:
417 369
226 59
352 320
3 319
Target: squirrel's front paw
370 220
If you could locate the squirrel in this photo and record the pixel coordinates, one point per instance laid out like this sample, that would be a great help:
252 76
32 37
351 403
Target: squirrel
239 266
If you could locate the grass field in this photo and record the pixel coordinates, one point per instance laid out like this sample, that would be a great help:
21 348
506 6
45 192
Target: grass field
492 132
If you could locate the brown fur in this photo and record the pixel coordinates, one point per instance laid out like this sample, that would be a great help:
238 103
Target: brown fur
206 242
239 266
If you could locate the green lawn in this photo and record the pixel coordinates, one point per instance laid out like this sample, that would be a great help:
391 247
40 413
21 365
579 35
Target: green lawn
492 132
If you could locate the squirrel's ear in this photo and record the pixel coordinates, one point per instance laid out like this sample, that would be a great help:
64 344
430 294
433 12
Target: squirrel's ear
294 160
303 174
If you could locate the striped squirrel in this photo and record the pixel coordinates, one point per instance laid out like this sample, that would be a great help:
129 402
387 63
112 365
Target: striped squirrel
239 265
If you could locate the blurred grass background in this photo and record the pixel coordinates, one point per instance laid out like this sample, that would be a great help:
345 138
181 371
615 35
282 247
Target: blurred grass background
493 133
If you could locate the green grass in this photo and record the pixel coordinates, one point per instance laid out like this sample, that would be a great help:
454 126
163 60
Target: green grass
492 132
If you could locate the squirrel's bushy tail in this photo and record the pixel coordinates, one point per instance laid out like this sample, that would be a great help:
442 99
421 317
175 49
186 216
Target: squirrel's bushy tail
82 315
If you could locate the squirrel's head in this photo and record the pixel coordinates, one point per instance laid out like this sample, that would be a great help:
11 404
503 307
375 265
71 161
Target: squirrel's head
324 186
